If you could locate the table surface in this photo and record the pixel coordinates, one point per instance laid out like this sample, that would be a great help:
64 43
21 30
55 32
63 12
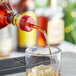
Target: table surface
68 65
68 60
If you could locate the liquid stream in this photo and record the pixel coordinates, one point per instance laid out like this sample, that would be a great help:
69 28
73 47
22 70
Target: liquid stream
41 30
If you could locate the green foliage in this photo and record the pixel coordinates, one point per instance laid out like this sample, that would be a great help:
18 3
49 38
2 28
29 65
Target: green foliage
70 20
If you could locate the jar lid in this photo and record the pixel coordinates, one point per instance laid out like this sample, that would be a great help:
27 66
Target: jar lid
43 12
39 11
58 11
59 14
50 12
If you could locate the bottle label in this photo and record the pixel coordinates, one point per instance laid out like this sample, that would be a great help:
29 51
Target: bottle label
55 30
28 39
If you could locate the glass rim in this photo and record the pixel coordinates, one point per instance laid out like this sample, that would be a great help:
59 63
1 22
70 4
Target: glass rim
54 53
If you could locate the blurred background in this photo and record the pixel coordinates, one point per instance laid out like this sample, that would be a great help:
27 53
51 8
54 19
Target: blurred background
56 17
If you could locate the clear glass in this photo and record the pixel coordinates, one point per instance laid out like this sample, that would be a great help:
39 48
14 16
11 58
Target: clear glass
40 63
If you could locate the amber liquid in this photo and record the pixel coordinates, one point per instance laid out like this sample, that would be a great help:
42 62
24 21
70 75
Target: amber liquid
55 74
5 14
42 31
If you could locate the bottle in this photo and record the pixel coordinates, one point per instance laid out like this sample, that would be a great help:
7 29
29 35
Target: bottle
5 42
42 22
41 6
27 39
8 16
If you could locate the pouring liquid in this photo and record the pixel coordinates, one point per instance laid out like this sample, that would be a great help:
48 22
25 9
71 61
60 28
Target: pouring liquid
41 30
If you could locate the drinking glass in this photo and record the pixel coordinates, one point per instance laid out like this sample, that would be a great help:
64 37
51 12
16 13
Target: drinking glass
39 62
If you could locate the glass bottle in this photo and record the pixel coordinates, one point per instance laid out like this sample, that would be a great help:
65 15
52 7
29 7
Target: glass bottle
41 6
7 16
27 39
42 22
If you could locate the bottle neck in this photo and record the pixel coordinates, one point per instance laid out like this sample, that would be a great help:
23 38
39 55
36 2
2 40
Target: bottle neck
16 19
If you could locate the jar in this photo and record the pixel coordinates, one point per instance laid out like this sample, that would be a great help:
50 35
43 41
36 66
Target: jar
5 42
55 29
